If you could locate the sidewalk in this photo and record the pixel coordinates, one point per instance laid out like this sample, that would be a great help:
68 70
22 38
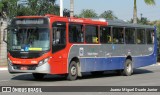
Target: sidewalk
2 68
158 63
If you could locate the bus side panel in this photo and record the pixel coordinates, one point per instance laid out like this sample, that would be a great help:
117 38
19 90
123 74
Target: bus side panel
58 62
112 56
144 61
147 60
101 64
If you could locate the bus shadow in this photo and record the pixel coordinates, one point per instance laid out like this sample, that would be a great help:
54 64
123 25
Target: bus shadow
54 78
29 77
115 74
141 71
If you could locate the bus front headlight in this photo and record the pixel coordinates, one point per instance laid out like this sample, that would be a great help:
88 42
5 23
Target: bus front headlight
43 61
9 62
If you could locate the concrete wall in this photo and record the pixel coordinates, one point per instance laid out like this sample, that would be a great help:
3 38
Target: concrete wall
3 45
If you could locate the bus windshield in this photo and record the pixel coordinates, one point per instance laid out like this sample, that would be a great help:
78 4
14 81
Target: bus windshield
29 39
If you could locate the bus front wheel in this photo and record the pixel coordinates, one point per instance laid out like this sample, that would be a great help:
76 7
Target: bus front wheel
72 71
38 76
128 69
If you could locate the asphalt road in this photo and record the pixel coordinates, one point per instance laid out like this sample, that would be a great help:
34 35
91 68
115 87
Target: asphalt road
146 76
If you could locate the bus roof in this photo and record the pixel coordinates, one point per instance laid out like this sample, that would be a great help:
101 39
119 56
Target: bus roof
101 21
121 23
126 24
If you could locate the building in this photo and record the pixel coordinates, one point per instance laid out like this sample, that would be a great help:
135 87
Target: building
3 45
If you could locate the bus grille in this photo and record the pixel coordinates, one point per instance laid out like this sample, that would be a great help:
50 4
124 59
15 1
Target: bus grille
29 67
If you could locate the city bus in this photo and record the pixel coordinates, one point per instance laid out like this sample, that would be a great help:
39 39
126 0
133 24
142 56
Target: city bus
71 46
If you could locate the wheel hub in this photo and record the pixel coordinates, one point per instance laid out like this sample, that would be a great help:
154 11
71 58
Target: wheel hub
129 67
73 70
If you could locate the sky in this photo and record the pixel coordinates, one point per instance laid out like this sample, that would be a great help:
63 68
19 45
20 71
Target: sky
123 9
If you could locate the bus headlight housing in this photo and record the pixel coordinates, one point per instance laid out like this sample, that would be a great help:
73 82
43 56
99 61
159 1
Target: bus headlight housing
43 61
9 62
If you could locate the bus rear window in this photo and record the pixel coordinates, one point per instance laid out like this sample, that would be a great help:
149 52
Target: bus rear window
150 36
140 36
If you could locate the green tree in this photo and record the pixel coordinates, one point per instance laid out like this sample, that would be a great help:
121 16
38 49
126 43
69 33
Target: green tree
66 13
143 21
41 7
148 2
10 9
88 13
108 14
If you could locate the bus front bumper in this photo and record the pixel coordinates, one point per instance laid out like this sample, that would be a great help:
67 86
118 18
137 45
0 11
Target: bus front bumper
45 68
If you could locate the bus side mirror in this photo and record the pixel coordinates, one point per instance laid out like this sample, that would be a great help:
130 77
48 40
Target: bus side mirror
5 35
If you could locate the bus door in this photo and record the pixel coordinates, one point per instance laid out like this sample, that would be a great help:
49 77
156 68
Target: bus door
58 44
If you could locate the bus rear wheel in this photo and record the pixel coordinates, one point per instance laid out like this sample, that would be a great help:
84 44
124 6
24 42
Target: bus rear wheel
72 71
38 76
128 69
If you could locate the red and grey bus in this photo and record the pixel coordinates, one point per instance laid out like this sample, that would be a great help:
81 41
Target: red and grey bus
70 46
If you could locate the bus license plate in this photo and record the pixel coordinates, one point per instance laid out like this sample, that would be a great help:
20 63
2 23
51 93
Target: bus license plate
24 68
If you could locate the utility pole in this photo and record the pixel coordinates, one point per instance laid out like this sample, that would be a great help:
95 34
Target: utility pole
71 8
61 8
141 16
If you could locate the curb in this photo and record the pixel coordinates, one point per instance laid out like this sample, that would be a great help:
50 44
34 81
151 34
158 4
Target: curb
3 68
158 63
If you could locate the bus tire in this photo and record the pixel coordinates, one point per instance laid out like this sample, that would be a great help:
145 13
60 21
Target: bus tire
38 76
128 69
72 71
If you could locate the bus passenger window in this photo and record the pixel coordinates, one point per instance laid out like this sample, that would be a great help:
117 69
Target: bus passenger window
59 33
130 36
140 36
59 36
91 34
118 35
76 33
105 35
150 36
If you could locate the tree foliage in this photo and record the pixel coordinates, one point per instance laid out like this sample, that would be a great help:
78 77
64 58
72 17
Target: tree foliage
88 13
108 14
148 2
10 8
66 13
143 21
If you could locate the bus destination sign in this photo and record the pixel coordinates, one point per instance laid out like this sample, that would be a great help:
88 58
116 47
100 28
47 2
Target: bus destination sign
29 21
